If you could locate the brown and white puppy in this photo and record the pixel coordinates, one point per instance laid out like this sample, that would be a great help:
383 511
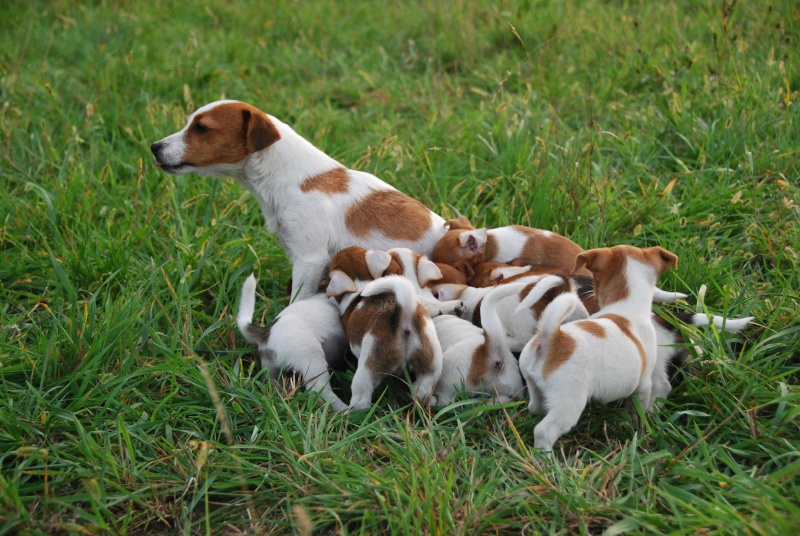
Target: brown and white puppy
306 337
607 357
387 330
526 245
478 360
313 203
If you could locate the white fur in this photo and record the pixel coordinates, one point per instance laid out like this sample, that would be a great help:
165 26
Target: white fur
420 275
460 340
601 369
306 337
309 225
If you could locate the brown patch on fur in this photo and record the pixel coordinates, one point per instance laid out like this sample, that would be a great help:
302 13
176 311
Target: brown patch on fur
459 223
352 261
451 274
227 133
335 181
447 249
539 307
561 347
476 314
593 328
624 326
393 214
483 274
492 248
609 275
421 359
479 365
548 249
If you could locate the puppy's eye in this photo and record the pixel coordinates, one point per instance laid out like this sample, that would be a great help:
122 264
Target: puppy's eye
200 128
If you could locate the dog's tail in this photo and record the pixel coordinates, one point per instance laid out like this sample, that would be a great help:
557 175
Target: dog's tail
541 288
490 320
554 314
404 293
663 296
244 317
700 320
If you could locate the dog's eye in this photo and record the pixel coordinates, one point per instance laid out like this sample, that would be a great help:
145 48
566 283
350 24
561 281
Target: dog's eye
200 128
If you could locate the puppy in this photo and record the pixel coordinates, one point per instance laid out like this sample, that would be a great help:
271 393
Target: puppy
476 359
353 265
461 245
388 330
607 357
313 203
307 337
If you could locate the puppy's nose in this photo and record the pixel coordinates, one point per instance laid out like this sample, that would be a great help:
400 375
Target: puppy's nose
156 146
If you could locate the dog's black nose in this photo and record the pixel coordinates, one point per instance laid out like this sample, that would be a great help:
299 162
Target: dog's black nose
155 147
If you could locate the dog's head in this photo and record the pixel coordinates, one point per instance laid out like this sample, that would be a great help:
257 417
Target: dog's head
615 270
216 140
460 244
353 264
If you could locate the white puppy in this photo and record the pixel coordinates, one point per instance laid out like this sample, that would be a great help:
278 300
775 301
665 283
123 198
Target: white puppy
306 337
607 357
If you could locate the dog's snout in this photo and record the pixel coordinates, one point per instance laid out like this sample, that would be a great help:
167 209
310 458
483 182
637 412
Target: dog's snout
156 147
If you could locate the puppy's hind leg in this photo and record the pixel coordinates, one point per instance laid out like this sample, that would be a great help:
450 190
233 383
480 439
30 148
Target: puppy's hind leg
564 413
317 379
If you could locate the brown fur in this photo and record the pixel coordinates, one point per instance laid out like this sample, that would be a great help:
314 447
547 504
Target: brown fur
479 365
552 250
353 263
234 130
335 181
451 274
483 274
593 328
393 214
421 358
624 326
459 223
561 347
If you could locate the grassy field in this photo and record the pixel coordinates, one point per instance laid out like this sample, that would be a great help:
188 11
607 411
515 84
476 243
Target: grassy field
669 123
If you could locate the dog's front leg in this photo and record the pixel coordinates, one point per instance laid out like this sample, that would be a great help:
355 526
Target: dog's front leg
435 307
306 276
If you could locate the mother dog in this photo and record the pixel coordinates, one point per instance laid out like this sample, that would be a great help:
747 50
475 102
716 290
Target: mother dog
314 204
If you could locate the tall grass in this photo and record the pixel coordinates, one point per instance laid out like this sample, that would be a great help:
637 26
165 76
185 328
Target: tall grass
670 123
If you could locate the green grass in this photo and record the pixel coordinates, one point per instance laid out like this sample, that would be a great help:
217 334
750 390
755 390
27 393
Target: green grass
669 123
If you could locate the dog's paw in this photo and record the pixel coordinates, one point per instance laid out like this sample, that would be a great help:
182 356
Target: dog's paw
460 309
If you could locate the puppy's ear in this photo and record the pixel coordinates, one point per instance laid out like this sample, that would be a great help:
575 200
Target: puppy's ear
377 262
340 284
427 272
595 260
473 242
448 291
465 268
662 259
459 223
259 131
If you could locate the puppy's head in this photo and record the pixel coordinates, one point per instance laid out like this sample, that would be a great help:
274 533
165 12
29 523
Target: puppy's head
358 264
452 274
489 274
416 268
461 245
458 223
615 269
216 140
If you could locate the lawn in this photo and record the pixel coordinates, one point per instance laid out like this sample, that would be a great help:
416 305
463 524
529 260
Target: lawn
130 404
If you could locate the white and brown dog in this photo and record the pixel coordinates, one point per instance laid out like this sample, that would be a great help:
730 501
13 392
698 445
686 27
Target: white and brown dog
478 360
306 337
607 357
314 204
388 330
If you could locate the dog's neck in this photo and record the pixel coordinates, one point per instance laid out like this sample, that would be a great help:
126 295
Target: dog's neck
271 173
637 303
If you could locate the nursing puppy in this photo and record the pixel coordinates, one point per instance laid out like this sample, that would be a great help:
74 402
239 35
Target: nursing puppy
607 357
478 360
462 247
388 330
313 203
306 337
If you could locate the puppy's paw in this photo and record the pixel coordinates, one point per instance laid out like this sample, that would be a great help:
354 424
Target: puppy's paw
460 309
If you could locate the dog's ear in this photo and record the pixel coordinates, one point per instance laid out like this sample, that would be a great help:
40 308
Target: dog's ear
662 259
427 271
448 291
459 223
473 241
595 260
340 284
259 131
465 268
377 262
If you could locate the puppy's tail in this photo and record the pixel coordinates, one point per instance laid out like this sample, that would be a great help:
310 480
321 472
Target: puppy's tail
244 317
541 288
554 314
403 291
663 296
731 325
490 320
